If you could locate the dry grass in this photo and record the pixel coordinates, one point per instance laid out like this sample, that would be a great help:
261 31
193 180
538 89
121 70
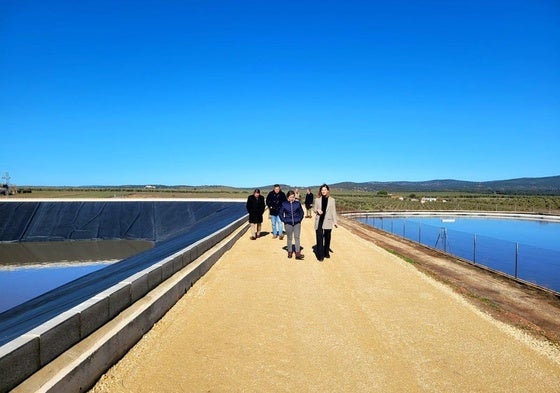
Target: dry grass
347 200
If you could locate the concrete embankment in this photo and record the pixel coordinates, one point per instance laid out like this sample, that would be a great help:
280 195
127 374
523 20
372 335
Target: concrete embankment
363 320
34 334
79 367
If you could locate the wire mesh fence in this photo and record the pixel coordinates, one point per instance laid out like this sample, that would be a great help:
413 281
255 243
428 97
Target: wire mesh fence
537 265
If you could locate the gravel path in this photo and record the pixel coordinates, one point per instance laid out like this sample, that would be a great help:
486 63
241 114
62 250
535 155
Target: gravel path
362 321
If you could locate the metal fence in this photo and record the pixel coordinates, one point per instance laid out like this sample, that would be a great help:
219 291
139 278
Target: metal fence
521 261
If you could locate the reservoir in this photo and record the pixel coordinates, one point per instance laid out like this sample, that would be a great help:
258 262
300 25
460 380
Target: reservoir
522 247
24 283
30 269
56 254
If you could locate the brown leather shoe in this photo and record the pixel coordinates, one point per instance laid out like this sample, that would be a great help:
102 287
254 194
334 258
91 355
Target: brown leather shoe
253 238
290 254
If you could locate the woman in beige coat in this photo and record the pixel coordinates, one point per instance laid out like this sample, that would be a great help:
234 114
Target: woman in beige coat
325 219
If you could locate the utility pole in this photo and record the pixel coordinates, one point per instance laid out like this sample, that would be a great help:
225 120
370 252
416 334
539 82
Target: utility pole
6 186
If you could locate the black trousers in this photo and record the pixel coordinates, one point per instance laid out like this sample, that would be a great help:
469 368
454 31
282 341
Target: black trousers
323 246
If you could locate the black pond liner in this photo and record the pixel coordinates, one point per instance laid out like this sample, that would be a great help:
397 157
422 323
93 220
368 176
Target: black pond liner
171 225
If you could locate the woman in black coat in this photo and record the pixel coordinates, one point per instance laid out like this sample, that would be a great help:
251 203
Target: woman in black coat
255 208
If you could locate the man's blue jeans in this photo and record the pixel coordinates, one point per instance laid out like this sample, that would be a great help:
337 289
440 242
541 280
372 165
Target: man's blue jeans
276 225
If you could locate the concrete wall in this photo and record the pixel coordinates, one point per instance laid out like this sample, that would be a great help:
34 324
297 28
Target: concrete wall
23 357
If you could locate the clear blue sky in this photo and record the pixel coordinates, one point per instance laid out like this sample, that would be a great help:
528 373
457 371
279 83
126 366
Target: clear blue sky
251 93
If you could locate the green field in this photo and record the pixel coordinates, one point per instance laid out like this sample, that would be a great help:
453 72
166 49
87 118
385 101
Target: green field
347 200
448 201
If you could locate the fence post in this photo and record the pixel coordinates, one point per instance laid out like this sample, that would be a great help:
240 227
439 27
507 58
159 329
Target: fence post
516 257
420 233
445 239
474 249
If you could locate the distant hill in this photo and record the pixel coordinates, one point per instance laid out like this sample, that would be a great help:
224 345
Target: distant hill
528 185
522 186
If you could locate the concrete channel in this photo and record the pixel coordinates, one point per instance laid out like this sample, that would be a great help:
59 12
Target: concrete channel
72 350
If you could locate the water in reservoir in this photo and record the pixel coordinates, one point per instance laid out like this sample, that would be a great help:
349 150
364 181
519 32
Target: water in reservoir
30 269
523 248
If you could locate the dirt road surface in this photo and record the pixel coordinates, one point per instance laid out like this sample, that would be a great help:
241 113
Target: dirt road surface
362 321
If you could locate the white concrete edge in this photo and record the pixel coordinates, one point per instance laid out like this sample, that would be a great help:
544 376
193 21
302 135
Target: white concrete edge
451 213
16 343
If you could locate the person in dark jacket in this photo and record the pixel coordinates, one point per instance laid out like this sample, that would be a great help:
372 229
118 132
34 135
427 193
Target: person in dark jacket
291 214
255 207
308 203
274 201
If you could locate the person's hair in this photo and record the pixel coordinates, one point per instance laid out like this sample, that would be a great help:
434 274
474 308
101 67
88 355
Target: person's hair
290 193
257 190
276 185
326 186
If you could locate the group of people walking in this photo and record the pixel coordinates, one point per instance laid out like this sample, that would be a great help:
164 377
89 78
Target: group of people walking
286 212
